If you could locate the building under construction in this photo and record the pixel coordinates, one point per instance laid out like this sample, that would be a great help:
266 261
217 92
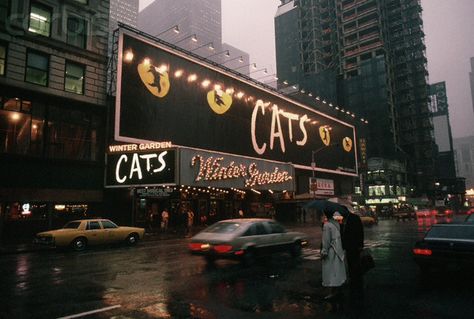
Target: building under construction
367 56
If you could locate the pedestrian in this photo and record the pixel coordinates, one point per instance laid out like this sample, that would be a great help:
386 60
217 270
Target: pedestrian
241 213
353 243
332 256
190 221
165 217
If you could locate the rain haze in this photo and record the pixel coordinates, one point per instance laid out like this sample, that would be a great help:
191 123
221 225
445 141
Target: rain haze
448 25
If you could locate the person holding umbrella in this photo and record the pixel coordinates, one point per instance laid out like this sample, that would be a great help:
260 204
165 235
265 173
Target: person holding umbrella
332 255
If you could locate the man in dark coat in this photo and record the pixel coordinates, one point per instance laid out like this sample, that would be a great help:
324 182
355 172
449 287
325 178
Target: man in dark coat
353 242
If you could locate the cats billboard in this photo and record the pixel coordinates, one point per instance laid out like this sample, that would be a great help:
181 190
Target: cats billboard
165 94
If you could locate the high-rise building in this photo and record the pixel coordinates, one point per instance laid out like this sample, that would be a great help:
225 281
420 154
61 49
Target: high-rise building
464 156
52 112
442 131
369 57
200 29
471 77
125 11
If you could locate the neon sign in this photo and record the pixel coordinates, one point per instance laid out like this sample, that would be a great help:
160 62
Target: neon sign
215 169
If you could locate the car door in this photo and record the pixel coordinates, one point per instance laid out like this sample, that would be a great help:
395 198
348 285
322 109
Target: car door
277 239
112 232
94 233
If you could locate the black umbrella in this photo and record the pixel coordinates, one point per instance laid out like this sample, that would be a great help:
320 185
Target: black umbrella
328 207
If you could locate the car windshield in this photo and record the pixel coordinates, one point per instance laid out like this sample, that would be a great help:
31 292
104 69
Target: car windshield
72 225
222 228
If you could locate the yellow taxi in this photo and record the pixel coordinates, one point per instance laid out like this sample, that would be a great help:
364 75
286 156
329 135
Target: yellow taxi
78 234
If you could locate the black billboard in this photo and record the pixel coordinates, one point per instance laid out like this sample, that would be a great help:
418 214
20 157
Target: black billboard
167 95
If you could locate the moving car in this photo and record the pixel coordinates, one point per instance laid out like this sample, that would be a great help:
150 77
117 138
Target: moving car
442 211
405 212
246 239
446 246
78 234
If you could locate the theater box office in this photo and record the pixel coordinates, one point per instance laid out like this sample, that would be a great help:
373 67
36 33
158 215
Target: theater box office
206 111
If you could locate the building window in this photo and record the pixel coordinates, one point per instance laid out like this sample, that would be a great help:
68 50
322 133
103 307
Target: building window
49 131
3 57
37 68
15 122
40 20
76 32
74 78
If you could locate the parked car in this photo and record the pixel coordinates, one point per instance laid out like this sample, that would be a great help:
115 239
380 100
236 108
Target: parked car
79 234
246 239
405 212
446 246
368 218
442 211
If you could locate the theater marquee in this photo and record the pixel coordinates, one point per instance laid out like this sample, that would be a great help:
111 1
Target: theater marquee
201 168
167 95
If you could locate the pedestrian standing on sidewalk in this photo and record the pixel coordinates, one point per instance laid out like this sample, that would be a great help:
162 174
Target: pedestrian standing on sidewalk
332 256
353 243
165 217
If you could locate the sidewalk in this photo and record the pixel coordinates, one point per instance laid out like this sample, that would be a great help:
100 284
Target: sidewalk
27 246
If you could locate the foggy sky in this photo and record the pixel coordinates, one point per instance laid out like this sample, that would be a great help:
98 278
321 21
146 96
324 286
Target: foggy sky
448 25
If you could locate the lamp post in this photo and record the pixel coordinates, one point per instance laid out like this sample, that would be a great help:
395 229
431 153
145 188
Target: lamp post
313 163
227 54
241 60
209 45
264 71
175 28
254 66
192 36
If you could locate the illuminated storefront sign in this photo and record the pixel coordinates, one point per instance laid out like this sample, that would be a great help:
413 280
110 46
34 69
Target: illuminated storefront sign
167 95
215 169
145 168
200 168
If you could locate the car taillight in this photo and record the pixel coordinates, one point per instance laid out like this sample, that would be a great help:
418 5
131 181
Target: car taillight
448 212
222 248
423 252
197 246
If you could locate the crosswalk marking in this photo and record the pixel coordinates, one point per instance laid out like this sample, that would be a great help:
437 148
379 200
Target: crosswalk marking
315 254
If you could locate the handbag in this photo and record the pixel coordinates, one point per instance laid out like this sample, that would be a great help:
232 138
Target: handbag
366 261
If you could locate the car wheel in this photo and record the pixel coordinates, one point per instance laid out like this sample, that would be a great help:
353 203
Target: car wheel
79 244
296 249
132 239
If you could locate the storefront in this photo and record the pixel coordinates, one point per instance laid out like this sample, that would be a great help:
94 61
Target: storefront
235 143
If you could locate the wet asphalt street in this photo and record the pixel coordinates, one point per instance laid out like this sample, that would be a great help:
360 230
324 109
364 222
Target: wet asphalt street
159 279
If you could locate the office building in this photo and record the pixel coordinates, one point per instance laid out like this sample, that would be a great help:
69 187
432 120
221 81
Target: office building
471 77
369 58
52 112
200 29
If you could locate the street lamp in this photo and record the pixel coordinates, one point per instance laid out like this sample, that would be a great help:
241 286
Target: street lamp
264 71
241 60
266 76
227 54
313 162
254 66
210 46
175 28
192 36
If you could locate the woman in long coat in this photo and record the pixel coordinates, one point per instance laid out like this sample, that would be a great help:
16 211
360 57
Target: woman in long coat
332 255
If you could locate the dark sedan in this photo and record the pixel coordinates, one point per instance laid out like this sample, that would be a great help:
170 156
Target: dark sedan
446 246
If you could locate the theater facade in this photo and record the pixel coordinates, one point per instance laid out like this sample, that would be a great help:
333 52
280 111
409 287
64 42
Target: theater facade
191 134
